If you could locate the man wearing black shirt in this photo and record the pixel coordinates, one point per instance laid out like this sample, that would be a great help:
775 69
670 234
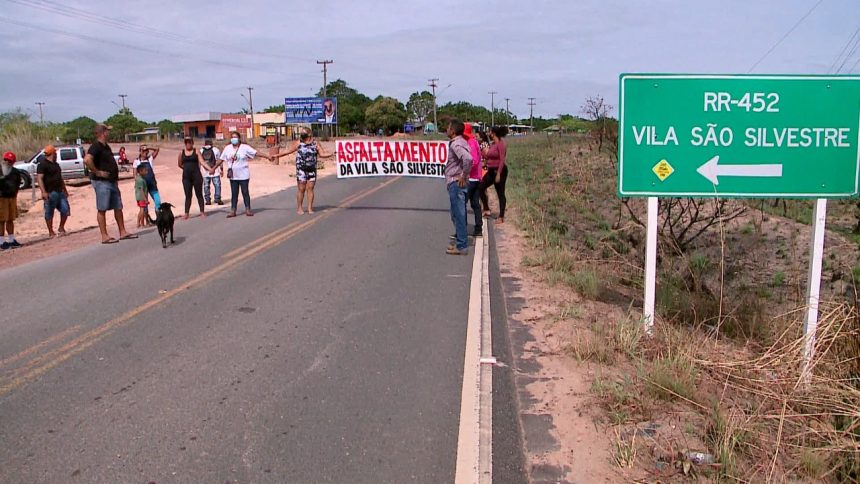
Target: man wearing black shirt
105 180
53 188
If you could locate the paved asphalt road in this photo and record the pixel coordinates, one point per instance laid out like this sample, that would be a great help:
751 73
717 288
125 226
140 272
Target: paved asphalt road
331 351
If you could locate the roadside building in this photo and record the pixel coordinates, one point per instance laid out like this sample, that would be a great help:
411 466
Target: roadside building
148 135
200 125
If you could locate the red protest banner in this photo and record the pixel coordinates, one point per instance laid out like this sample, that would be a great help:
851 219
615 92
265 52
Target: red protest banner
362 158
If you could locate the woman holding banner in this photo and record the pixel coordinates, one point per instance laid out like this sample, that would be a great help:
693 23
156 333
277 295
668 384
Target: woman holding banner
236 156
307 152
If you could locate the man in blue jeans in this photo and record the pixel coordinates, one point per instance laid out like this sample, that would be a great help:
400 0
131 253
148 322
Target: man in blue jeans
456 179
104 177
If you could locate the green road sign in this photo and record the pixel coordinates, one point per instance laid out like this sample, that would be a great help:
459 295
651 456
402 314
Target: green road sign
739 136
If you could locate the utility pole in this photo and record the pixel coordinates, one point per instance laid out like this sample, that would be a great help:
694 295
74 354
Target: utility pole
493 108
251 104
508 106
433 86
532 113
325 64
123 96
41 117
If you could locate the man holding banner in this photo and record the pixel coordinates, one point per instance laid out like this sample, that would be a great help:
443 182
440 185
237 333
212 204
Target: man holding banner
456 179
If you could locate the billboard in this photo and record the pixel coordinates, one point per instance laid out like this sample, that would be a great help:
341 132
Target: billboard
234 122
317 110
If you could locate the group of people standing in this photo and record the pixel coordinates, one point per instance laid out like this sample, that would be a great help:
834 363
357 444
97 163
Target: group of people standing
202 171
476 162
53 192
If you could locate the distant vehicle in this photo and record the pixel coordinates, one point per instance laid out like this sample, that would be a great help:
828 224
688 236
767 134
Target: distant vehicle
70 158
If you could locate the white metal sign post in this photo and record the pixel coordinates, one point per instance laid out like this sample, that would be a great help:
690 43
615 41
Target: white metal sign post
813 292
650 264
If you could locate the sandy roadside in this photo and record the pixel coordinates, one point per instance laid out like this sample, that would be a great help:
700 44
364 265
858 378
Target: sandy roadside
30 229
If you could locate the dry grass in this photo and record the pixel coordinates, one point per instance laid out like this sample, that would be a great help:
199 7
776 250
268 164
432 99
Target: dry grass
728 352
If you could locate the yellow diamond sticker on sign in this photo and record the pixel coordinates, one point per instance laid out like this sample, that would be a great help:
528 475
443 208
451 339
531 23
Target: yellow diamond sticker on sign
663 170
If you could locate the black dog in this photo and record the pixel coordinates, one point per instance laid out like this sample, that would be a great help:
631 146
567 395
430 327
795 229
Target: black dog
164 222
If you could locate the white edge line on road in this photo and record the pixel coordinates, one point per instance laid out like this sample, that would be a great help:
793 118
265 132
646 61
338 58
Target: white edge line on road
486 363
468 469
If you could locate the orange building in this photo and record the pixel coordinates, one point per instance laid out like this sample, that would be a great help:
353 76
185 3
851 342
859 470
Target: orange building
200 125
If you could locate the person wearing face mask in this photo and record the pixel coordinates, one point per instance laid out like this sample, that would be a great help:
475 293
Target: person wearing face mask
211 177
236 156
10 182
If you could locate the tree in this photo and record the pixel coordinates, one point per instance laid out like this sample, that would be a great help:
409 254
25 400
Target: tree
123 123
386 113
167 127
82 127
276 108
13 117
420 106
596 109
351 105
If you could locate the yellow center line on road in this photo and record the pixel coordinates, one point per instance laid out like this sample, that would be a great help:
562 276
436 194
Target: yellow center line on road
262 239
27 352
42 364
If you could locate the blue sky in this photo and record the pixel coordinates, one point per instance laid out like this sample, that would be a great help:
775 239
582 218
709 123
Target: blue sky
175 57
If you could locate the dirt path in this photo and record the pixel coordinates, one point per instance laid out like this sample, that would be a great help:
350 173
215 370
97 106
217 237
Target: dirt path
30 229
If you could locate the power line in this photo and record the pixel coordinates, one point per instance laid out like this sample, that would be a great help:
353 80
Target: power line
855 65
122 44
98 18
842 52
119 24
849 55
785 36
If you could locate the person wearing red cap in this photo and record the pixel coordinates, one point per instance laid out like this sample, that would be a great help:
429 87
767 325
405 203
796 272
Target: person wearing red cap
10 182
53 188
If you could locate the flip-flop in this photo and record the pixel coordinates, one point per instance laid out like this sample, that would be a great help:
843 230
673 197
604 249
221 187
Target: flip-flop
129 237
110 241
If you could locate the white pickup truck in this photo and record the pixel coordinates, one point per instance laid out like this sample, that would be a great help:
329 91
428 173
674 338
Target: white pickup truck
70 158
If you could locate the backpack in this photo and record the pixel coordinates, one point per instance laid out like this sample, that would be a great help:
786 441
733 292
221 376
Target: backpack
209 156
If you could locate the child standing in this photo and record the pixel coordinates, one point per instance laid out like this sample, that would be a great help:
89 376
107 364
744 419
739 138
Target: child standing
141 194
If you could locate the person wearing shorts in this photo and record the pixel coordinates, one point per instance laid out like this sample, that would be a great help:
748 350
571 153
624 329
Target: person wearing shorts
105 181
54 192
307 152
10 182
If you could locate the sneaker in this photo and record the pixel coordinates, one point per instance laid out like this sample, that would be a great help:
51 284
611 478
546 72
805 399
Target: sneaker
455 251
14 244
208 202
219 202
5 246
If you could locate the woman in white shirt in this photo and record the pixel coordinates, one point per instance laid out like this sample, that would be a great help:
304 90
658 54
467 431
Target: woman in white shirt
236 156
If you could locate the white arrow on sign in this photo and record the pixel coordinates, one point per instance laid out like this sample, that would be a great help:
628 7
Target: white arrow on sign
712 170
